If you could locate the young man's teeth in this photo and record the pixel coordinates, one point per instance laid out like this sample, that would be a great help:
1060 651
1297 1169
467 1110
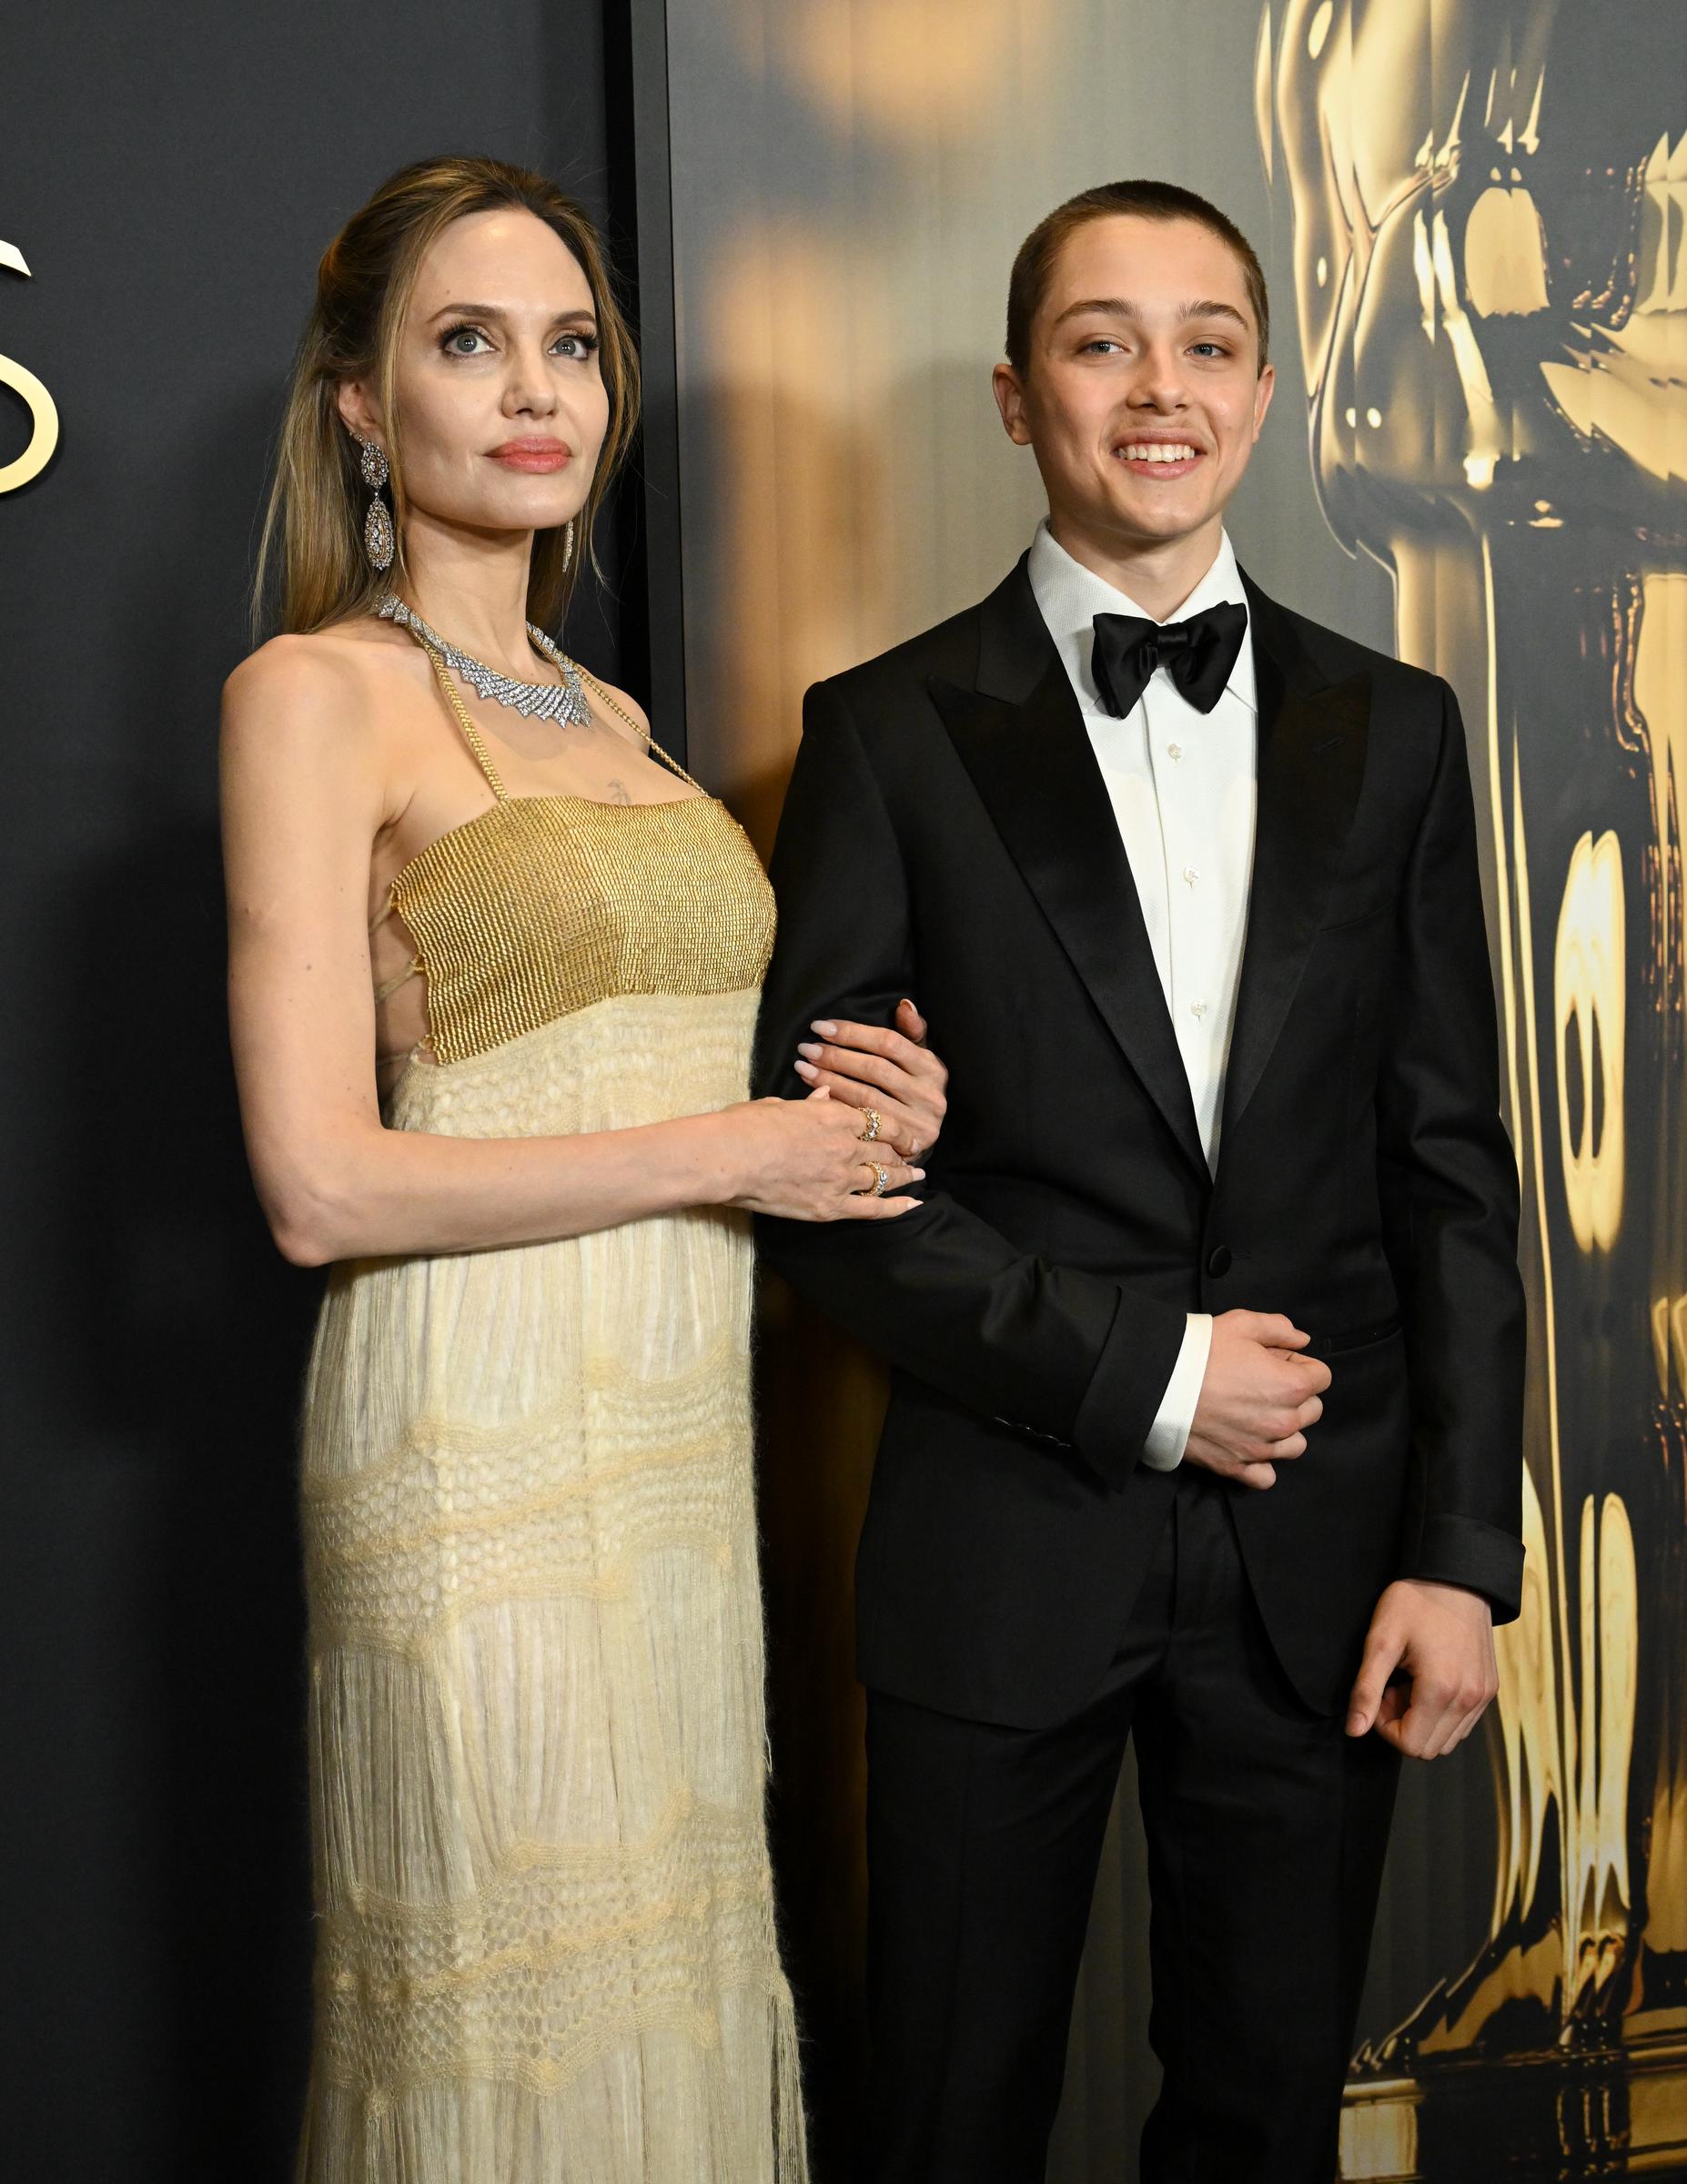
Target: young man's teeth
1154 450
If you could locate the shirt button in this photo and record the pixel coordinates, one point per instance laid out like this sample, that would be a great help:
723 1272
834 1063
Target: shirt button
1218 1261
1198 1009
1190 874
1174 751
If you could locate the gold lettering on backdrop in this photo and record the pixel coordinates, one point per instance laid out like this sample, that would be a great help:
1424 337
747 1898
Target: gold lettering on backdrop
43 410
1489 202
1588 989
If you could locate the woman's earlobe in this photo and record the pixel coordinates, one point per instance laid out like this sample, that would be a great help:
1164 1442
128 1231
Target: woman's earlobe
354 413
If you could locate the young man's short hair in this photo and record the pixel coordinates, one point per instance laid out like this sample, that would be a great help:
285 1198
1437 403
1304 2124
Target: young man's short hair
1029 283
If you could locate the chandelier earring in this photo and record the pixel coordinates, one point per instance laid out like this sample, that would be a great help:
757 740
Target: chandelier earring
378 539
568 547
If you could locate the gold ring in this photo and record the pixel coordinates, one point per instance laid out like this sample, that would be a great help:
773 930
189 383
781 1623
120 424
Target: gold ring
875 1123
883 1183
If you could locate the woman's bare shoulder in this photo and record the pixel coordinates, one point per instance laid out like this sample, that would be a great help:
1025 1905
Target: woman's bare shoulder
309 668
335 698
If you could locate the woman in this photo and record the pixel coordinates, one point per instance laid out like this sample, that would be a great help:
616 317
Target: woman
493 974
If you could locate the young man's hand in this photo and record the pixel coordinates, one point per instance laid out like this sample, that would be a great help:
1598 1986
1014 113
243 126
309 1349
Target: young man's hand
1429 1671
1257 1399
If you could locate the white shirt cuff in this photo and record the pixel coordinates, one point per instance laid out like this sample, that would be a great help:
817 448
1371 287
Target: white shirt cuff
1168 1436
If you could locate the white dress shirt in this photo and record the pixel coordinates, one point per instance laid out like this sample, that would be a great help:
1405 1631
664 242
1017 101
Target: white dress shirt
1182 789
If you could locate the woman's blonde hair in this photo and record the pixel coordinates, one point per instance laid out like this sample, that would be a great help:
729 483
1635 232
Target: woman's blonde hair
313 526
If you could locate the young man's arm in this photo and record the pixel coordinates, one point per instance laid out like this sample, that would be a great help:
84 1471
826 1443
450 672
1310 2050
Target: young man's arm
1450 1172
1067 1357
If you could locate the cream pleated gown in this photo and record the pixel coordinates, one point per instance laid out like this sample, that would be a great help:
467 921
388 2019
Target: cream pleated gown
546 1945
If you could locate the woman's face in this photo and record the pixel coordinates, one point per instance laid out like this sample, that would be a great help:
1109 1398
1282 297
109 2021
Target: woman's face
500 402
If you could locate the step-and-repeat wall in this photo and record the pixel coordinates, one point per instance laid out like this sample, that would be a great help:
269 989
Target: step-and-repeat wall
1471 212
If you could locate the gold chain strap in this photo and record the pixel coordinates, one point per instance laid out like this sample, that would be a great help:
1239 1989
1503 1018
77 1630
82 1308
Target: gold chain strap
464 721
585 675
651 747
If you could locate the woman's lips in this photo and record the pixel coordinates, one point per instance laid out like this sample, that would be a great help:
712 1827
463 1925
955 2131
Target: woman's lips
535 455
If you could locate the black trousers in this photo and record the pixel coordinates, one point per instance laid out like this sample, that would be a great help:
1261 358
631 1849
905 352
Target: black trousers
1266 1827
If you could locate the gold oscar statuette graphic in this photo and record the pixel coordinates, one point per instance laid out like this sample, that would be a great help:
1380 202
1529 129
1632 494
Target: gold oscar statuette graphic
1489 202
42 409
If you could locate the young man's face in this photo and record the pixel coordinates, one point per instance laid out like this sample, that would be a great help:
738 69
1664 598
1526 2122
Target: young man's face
1142 400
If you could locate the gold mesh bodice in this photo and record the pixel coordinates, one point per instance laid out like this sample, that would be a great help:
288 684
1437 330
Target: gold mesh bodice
545 904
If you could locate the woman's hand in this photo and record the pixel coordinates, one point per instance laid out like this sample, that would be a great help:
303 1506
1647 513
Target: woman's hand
806 1160
894 1073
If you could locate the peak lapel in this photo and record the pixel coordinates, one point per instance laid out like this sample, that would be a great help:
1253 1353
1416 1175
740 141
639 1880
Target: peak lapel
1311 763
1021 737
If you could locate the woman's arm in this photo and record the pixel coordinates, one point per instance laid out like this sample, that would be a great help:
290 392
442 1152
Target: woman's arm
305 794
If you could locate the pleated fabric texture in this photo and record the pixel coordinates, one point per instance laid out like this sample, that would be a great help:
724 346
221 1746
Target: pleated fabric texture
547 1947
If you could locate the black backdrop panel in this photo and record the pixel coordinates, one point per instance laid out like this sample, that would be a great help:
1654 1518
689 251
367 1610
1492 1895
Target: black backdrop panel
171 177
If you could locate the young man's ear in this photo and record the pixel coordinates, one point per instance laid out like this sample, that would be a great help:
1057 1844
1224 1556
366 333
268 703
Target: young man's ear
1010 399
1263 392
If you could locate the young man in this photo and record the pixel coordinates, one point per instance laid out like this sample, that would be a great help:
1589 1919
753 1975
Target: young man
1206 1342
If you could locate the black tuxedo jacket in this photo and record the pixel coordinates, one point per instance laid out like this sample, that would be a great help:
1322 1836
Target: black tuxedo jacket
948 835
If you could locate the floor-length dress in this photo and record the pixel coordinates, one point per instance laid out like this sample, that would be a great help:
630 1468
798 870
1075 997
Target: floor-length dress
546 1944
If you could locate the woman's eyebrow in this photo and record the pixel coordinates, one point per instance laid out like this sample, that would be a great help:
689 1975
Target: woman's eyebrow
582 312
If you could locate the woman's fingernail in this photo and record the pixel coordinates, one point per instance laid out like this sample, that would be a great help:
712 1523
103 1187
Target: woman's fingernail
826 1030
808 1050
918 1174
805 1068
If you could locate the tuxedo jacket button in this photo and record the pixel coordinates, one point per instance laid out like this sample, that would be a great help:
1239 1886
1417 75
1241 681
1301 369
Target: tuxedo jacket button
1218 1261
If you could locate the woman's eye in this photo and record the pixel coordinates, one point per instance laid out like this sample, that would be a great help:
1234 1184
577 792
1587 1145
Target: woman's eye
470 341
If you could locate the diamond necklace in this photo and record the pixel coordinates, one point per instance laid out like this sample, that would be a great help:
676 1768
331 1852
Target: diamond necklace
565 701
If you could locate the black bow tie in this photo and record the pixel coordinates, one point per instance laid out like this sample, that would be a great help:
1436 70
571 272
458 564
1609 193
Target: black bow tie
1197 654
